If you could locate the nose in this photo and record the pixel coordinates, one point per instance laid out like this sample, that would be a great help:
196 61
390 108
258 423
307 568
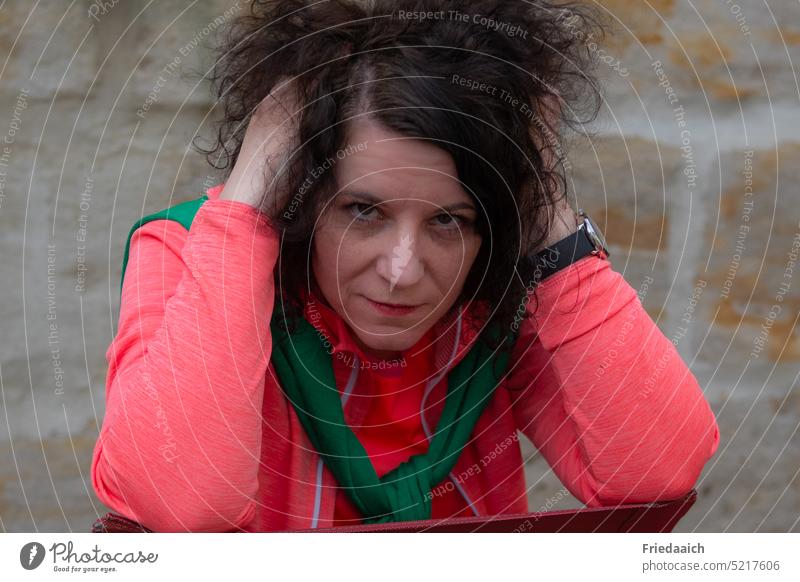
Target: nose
399 263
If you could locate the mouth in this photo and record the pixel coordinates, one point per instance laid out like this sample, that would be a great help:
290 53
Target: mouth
392 308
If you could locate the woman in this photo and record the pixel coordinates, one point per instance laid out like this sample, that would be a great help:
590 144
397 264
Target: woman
355 324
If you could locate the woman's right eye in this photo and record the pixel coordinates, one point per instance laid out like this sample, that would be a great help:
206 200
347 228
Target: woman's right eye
361 212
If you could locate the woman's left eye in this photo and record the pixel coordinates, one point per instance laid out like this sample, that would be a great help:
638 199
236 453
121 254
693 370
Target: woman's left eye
449 220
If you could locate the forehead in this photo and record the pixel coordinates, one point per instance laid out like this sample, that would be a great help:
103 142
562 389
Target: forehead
388 164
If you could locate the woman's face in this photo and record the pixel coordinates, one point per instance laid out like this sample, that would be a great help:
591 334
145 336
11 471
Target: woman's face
400 231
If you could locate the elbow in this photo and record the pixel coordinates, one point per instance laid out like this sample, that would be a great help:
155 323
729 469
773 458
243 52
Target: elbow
679 476
164 507
668 479
647 490
688 456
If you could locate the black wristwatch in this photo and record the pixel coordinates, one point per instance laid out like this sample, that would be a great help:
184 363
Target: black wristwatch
585 241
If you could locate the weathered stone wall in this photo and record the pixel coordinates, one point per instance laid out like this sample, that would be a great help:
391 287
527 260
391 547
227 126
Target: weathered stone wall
690 170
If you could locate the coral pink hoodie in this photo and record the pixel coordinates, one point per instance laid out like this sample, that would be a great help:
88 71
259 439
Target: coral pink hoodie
198 436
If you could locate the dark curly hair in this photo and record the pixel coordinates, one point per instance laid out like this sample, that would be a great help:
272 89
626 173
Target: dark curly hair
421 78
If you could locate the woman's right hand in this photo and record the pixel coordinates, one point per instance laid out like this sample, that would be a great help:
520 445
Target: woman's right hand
269 140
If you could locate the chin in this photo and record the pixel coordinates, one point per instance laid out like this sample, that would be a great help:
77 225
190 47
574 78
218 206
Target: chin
384 346
399 344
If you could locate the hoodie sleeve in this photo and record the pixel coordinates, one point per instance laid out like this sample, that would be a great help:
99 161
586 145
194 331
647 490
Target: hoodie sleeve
604 395
180 442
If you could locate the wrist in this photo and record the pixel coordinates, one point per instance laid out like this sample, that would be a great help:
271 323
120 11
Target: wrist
564 224
562 228
585 239
242 188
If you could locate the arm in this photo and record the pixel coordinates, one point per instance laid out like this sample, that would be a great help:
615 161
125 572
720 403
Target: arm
604 395
180 442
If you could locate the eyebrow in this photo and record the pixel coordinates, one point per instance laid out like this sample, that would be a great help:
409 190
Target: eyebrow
372 199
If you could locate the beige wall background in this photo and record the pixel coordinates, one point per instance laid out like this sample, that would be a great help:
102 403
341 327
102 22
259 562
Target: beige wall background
692 173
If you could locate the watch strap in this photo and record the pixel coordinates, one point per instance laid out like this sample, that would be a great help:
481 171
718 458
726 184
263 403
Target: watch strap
561 254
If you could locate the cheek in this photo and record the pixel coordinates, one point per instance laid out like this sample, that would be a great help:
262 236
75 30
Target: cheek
454 265
324 258
449 271
336 258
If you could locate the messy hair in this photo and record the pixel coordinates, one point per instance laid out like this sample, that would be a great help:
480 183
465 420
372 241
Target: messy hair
421 77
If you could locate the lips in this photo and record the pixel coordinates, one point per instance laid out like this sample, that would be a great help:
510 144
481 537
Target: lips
392 308
395 305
